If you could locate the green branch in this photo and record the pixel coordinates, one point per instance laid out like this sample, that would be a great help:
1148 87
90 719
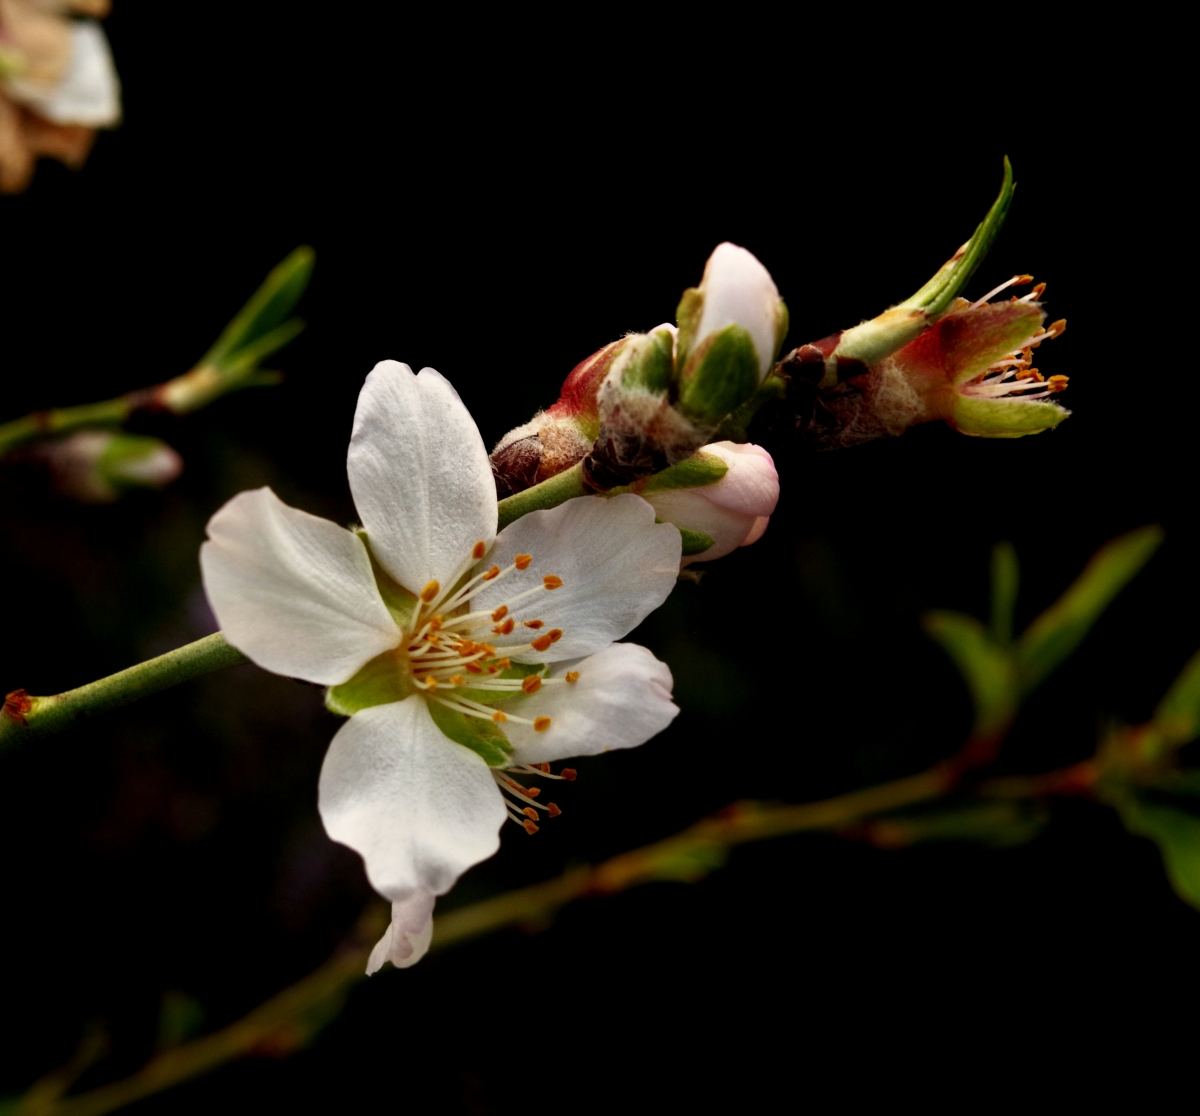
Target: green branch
291 1019
550 493
260 328
24 715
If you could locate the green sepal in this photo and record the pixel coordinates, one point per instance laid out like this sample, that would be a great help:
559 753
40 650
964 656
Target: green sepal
687 319
492 697
650 363
118 463
485 738
782 324
719 376
400 602
697 471
1004 418
385 679
694 542
987 668
1055 634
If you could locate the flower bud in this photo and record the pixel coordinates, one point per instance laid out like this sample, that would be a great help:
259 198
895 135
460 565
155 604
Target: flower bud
720 499
973 369
96 466
559 437
730 330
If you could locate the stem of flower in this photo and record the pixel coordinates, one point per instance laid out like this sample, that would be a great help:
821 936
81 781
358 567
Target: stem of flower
24 715
285 1022
550 493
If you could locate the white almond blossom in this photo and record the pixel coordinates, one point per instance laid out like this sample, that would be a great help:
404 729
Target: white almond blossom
467 660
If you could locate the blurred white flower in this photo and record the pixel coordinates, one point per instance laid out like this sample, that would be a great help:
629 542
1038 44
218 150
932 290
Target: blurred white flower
466 660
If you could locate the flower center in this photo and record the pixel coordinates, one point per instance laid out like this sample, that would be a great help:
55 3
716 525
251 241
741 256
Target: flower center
462 659
1014 376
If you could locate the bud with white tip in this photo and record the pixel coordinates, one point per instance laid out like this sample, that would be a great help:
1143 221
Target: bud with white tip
96 466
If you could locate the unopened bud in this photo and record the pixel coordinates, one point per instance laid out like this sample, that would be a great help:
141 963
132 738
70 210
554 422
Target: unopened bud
559 437
96 466
720 498
730 330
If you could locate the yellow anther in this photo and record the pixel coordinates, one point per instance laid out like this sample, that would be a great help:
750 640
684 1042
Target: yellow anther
540 724
493 572
499 717
531 684
505 628
429 682
521 561
500 613
534 624
478 550
550 581
572 676
554 635
542 643
504 664
1057 383
430 591
457 680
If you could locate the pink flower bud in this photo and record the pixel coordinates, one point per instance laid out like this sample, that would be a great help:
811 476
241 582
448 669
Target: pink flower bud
734 510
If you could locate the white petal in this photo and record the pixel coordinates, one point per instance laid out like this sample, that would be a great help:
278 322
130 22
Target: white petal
617 566
418 808
738 290
420 474
408 935
89 92
621 700
293 591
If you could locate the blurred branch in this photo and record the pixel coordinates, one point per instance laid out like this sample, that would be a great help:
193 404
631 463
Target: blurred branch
260 328
24 715
291 1019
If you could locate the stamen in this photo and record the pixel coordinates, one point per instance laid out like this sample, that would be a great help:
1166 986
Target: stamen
534 624
1019 280
572 676
568 773
530 828
430 591
1057 383
505 628
542 643
531 683
499 717
478 550
500 613
551 581
552 809
540 724
521 561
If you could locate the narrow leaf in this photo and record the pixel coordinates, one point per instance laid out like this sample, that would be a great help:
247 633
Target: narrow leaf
986 667
1177 834
1055 634
1006 575
1177 717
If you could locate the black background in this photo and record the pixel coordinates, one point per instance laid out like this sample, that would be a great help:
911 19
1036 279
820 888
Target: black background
499 212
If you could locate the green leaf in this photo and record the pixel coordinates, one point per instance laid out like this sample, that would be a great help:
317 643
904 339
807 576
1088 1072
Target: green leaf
1055 634
1177 717
483 737
386 678
1177 834
1006 577
952 276
986 667
267 308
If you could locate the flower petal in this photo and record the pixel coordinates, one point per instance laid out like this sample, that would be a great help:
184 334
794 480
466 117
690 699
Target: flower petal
408 935
751 485
293 591
616 564
420 475
417 807
692 510
621 700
